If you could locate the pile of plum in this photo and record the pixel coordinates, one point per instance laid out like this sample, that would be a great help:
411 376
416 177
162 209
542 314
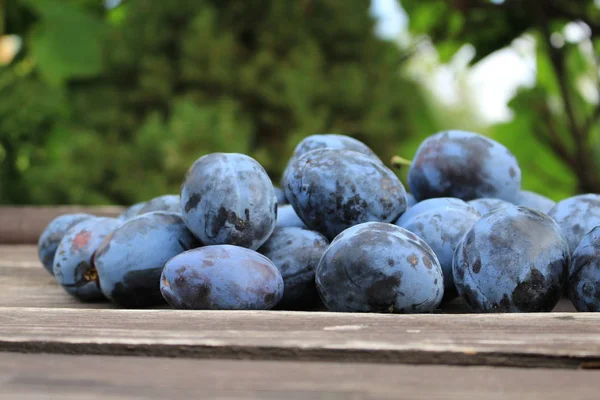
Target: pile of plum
342 234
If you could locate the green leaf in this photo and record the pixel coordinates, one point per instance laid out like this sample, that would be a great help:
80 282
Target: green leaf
66 42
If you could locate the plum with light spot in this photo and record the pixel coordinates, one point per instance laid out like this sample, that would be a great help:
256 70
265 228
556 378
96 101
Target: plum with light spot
73 267
52 235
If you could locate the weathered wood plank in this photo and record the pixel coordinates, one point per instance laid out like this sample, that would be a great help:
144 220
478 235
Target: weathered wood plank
531 340
23 225
45 376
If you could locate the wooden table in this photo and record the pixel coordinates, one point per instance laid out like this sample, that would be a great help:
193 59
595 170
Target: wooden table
52 346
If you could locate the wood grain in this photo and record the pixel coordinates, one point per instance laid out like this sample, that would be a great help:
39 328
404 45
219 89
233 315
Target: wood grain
23 225
66 377
36 315
529 340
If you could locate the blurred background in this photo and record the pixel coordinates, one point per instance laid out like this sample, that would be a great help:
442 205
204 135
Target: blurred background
109 102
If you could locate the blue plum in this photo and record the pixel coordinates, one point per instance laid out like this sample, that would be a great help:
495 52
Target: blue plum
576 216
296 253
287 217
73 266
53 233
584 273
464 165
379 267
442 229
168 203
281 200
514 259
132 211
433 204
485 205
331 141
410 200
221 277
130 260
332 190
228 198
535 201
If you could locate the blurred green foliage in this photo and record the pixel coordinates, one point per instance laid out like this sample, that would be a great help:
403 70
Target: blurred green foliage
111 106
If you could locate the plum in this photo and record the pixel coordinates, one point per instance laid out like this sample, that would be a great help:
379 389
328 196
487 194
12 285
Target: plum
228 198
221 277
73 267
514 259
379 267
296 253
464 165
130 260
442 229
432 204
332 190
577 216
168 203
332 141
535 201
584 273
485 205
286 216
53 233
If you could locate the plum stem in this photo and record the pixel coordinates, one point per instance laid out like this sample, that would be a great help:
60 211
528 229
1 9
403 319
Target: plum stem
399 162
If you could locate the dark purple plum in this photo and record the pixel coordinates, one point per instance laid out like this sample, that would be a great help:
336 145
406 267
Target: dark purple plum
433 204
442 229
73 267
52 234
228 198
332 190
464 165
485 205
167 203
296 253
379 267
513 260
130 260
287 217
577 216
535 201
221 277
584 273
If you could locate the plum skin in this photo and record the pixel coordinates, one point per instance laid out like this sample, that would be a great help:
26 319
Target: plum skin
514 259
221 277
